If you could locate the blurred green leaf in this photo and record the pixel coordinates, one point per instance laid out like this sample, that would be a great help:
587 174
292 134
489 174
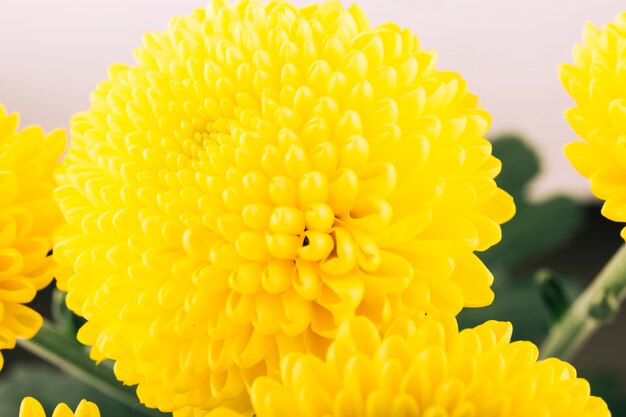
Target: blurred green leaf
517 302
65 353
520 164
51 387
556 292
538 227
610 386
64 319
520 302
535 230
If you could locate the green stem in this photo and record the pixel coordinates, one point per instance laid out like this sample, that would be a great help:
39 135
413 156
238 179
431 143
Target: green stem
597 305
57 348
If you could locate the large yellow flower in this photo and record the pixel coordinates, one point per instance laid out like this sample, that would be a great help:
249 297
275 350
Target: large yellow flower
30 407
262 174
597 82
426 368
28 215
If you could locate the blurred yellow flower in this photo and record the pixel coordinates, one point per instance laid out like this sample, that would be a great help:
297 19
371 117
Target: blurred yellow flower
262 174
425 367
28 216
597 83
30 407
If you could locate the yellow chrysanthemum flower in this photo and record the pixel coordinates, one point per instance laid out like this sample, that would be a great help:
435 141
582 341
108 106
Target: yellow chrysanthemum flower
30 407
28 215
597 82
425 367
259 176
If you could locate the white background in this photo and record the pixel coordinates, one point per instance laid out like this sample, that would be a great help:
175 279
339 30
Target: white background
52 53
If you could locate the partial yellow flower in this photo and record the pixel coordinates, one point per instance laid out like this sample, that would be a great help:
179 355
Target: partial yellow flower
28 216
425 367
30 407
260 175
216 412
597 82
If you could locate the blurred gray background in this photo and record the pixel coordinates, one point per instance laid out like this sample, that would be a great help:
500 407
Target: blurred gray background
54 52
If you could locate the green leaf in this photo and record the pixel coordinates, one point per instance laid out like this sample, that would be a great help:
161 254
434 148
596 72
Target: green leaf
556 292
64 319
55 346
51 387
536 230
520 164
517 302
610 385
538 227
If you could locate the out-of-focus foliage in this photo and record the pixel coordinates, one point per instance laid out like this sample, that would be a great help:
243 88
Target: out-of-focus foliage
556 292
66 321
537 229
530 297
50 387
609 384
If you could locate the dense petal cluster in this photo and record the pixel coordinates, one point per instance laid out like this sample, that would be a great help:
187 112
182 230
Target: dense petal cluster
30 407
425 368
262 174
28 216
597 83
